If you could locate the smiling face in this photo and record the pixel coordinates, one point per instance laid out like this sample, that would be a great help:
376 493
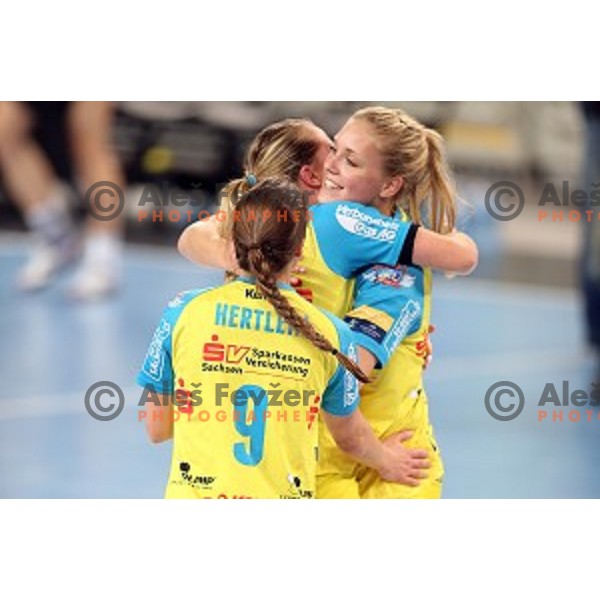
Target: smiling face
354 166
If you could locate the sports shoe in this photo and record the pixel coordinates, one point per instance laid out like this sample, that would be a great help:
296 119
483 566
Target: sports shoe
44 264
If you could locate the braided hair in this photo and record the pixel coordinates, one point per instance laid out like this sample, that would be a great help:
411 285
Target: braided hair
265 247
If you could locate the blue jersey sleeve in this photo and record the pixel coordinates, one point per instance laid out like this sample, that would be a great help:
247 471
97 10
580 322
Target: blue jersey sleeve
352 236
157 369
388 306
341 396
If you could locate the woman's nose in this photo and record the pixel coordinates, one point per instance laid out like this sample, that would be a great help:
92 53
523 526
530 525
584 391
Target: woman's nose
331 163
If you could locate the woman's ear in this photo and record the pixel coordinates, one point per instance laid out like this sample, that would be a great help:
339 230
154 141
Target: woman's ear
308 178
391 187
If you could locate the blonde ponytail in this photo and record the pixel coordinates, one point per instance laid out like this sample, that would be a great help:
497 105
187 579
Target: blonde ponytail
416 153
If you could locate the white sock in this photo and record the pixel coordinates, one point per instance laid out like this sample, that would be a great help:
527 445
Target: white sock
51 221
104 249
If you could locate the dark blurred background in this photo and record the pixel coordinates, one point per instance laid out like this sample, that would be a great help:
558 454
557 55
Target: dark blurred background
530 313
199 145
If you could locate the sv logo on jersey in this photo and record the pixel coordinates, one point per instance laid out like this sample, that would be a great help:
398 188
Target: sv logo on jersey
214 351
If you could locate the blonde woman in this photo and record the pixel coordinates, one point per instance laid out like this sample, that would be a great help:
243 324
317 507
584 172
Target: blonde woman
382 167
243 432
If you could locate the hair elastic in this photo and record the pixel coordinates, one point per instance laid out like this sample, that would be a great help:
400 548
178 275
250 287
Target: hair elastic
251 179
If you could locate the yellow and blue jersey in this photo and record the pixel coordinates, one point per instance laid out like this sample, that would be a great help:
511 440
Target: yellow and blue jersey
247 390
390 306
350 256
342 239
390 318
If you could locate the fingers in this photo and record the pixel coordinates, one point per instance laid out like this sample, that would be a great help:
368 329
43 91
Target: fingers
432 328
413 478
418 453
418 469
295 281
403 436
411 465
411 481
422 464
408 475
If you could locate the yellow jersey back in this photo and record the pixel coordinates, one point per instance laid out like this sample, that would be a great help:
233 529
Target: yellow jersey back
246 391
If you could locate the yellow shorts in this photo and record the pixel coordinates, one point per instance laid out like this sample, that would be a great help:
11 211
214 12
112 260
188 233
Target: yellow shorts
337 487
362 482
371 486
366 483
338 476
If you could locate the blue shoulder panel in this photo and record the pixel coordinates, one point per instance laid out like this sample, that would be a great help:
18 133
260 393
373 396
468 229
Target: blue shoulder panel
157 369
352 236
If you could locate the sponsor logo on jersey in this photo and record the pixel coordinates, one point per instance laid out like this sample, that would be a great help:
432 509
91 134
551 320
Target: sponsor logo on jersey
215 351
295 490
154 363
394 277
410 313
196 481
350 384
177 301
277 360
364 225
253 294
371 330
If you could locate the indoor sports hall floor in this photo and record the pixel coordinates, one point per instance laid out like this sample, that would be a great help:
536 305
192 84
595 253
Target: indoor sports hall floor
53 350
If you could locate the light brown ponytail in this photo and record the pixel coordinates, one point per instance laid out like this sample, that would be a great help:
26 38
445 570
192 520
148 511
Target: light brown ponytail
279 150
416 153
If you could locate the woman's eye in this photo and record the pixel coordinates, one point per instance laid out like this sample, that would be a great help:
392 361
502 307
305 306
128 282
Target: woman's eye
350 162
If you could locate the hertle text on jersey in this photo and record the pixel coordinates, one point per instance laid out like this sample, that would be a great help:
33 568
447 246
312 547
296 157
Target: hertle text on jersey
242 317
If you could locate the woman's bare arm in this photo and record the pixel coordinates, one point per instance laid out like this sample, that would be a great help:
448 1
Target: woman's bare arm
201 243
159 419
454 252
